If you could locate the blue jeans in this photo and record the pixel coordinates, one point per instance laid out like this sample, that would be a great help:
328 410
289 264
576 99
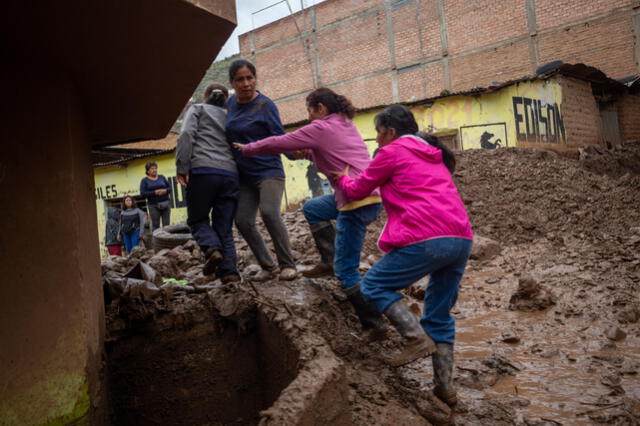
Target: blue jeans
131 240
444 259
351 227
212 201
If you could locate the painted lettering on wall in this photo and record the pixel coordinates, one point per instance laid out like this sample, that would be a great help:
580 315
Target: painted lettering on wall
537 121
106 192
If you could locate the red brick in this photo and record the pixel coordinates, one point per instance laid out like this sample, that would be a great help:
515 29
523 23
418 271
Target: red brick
629 117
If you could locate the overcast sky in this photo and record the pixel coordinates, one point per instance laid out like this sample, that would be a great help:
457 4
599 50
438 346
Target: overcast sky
244 10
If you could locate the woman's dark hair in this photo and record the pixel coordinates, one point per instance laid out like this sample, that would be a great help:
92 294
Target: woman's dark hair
401 119
149 165
216 94
133 202
240 63
335 103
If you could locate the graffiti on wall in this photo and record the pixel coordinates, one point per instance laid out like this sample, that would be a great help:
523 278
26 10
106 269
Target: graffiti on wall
537 121
178 194
485 136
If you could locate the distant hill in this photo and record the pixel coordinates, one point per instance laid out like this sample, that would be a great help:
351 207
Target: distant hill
218 72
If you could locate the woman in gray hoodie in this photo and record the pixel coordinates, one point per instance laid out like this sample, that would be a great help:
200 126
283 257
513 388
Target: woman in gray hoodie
206 167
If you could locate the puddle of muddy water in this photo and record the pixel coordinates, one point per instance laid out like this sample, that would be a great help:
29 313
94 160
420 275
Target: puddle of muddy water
563 360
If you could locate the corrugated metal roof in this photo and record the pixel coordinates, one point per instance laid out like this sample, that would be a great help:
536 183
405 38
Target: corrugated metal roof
111 156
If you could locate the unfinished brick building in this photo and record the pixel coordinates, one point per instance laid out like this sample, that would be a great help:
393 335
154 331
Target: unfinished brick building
382 51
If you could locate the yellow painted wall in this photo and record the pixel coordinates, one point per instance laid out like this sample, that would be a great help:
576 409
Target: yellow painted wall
471 116
492 112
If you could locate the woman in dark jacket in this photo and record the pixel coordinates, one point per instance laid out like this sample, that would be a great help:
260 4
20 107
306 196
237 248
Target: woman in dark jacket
156 188
252 116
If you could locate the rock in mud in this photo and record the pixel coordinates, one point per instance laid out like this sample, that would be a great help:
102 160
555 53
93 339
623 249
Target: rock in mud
484 248
510 335
531 296
616 334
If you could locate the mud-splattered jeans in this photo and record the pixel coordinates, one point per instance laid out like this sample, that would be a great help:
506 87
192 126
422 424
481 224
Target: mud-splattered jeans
444 259
351 228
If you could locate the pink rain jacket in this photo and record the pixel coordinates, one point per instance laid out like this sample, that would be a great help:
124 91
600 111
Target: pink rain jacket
334 143
418 193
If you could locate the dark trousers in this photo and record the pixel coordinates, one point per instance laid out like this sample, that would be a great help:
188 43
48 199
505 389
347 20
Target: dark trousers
266 197
157 214
212 201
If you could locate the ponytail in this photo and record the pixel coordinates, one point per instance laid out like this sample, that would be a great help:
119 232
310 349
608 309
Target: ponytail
448 157
401 119
335 104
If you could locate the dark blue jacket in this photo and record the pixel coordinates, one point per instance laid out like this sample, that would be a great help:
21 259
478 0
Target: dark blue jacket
251 122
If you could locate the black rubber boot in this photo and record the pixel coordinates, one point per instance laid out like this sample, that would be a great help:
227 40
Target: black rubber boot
371 320
324 235
442 360
419 344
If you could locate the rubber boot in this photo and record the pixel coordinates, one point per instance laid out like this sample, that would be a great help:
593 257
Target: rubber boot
324 234
371 320
442 360
418 345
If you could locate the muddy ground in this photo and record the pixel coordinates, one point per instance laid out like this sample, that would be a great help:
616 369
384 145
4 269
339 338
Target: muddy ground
548 316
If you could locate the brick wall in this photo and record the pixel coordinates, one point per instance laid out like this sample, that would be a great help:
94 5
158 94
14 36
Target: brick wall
629 117
580 113
379 52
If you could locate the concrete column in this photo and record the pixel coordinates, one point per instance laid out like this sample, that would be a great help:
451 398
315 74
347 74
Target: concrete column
532 26
636 35
395 93
51 308
444 41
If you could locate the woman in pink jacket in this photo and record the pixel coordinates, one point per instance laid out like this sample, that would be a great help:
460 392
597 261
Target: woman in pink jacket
427 233
332 142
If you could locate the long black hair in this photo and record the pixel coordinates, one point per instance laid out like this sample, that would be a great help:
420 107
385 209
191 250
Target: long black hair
335 103
401 119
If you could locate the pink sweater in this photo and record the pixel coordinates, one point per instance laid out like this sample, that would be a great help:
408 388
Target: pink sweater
334 143
418 193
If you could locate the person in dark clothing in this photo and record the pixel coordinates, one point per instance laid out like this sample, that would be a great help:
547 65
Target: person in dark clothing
205 166
132 221
156 188
112 232
252 116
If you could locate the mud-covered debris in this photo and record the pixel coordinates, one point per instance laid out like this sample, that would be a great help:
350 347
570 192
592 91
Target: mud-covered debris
142 271
531 296
484 248
510 335
141 289
502 364
615 333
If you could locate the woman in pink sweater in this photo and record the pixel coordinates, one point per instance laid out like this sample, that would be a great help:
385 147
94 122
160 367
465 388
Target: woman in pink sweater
332 141
427 233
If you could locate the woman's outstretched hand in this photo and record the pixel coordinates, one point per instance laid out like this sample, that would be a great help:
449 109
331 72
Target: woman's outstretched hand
345 172
238 146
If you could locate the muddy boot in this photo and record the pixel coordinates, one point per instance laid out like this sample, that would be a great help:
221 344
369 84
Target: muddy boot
371 320
324 235
214 257
442 360
418 345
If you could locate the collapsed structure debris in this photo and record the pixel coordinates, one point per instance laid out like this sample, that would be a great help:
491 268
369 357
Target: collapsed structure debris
552 225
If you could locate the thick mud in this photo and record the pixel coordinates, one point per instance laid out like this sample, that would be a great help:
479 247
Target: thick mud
547 319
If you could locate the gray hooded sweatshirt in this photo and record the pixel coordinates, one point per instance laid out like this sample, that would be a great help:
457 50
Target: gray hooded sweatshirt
203 142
